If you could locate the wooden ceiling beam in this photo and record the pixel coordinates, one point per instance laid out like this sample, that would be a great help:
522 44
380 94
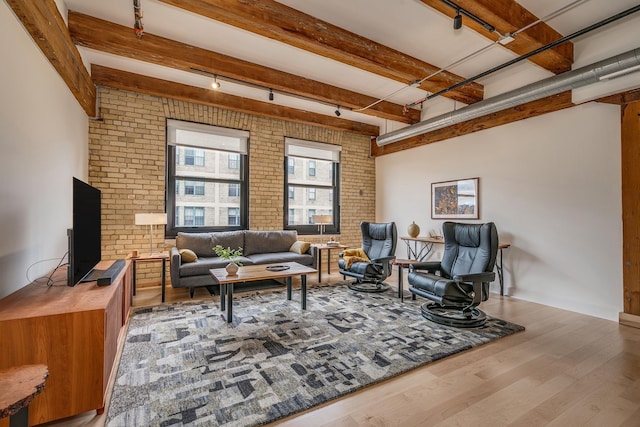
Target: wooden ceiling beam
116 39
521 112
124 80
276 21
43 21
622 98
507 16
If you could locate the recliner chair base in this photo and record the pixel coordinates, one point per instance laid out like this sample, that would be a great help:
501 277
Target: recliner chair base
369 286
453 315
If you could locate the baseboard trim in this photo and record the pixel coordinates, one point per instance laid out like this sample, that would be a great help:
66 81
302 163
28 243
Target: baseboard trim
629 320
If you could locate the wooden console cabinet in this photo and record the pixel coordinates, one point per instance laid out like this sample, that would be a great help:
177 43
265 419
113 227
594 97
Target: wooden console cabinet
75 331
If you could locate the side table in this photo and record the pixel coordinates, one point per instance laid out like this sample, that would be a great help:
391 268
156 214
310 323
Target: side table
162 256
18 387
328 248
402 263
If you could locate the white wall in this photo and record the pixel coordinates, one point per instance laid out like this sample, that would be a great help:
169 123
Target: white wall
44 142
552 186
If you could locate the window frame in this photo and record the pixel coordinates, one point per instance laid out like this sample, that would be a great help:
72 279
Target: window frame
310 229
171 230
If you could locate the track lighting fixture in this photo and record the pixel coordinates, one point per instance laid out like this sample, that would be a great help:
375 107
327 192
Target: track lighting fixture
215 84
270 95
457 20
337 112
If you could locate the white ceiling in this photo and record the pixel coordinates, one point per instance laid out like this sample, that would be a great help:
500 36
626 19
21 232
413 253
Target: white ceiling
405 25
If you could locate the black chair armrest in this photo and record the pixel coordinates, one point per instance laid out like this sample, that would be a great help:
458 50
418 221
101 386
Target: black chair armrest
430 266
381 260
476 277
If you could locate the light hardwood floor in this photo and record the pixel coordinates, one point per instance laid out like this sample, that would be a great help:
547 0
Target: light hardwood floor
566 369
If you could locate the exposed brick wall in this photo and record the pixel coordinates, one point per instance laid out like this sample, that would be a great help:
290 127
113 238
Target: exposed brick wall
127 150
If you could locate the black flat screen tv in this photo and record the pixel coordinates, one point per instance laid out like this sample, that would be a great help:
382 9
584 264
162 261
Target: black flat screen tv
85 250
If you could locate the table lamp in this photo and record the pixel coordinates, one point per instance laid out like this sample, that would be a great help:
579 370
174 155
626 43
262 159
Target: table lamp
322 221
151 219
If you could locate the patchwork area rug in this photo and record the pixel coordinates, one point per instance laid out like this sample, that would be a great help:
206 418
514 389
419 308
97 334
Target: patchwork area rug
182 364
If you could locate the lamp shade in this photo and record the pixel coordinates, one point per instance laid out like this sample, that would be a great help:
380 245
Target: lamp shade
151 218
322 219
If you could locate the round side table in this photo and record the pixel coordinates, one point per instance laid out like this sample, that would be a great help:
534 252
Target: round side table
402 263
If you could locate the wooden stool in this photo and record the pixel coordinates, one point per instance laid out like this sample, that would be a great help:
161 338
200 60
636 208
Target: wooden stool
18 387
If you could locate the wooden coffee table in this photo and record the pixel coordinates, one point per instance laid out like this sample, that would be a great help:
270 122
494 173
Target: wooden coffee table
252 273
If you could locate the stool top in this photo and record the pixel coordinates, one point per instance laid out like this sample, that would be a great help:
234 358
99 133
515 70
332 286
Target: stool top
405 262
19 385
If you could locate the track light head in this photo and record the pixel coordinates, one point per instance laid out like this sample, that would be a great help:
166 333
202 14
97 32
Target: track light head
337 112
215 85
270 95
457 20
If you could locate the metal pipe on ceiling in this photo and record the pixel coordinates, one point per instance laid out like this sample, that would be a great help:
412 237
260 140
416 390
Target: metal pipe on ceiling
615 66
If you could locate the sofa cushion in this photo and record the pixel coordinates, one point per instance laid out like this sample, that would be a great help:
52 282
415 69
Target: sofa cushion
279 257
202 266
187 255
200 243
228 239
300 247
261 242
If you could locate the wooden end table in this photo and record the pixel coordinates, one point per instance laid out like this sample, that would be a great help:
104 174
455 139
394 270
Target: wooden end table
18 387
161 256
251 273
402 263
326 247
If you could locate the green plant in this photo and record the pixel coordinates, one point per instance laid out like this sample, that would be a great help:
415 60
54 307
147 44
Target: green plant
229 254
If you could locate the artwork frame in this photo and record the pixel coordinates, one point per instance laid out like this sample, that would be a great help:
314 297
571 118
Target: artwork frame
456 199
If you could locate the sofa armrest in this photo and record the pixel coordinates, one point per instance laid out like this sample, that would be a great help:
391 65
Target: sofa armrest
175 262
313 251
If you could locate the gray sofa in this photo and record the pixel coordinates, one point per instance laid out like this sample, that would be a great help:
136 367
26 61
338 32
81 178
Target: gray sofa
258 247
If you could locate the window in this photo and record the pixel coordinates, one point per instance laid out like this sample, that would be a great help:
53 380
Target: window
193 216
322 161
193 188
234 190
292 193
234 160
209 165
233 215
193 157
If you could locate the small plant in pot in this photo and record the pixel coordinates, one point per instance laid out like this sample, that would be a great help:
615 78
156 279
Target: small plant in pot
231 255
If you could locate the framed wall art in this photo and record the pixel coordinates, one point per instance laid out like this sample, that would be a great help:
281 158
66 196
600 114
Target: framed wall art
456 199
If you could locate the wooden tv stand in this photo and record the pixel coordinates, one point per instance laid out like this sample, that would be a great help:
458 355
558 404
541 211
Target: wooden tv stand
75 331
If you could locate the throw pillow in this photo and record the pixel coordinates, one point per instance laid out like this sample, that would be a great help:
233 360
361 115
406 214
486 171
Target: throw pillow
300 247
187 255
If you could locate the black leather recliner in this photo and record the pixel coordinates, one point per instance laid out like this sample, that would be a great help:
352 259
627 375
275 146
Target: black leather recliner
460 282
379 243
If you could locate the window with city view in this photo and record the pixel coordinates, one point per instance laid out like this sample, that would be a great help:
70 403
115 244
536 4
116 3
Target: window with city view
312 184
207 166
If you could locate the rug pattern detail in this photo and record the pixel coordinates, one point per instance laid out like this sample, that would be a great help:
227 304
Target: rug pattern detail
182 364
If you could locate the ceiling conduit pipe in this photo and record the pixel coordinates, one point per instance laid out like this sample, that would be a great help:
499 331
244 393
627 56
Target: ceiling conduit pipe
619 64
